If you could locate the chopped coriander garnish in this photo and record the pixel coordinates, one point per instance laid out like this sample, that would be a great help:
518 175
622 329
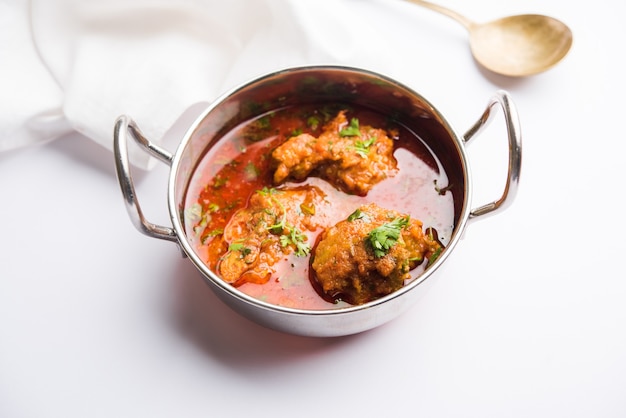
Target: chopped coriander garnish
260 128
434 256
219 182
264 122
235 246
313 122
268 191
296 132
216 232
238 246
363 147
297 238
251 172
357 214
385 236
352 129
289 235
279 227
232 204
211 234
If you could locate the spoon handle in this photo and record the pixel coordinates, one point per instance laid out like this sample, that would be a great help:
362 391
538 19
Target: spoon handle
445 11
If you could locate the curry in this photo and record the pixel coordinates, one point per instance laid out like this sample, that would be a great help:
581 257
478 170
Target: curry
319 206
370 254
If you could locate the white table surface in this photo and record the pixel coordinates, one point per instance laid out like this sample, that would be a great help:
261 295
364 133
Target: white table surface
527 320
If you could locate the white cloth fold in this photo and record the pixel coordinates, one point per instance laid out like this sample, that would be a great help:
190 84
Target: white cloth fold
79 64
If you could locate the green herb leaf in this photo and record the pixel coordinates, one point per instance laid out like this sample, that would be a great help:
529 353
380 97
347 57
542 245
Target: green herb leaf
363 147
289 235
313 122
211 234
302 249
265 191
220 182
357 214
235 246
297 238
385 236
250 172
352 129
238 246
278 227
295 132
435 256
264 122
215 232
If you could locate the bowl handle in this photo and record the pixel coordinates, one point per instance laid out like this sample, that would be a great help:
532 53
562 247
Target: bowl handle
123 126
515 151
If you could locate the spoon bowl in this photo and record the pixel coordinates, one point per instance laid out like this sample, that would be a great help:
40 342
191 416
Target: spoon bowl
514 46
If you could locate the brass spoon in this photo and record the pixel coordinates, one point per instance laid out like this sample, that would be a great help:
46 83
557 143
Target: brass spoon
515 46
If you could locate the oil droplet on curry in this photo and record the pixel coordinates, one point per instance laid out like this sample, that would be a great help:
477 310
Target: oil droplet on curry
319 206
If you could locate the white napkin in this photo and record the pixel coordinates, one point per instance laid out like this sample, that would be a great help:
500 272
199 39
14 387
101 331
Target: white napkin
78 64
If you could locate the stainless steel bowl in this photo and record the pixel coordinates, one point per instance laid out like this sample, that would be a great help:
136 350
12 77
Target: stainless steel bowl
304 85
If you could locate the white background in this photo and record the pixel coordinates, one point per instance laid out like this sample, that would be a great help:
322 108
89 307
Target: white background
528 318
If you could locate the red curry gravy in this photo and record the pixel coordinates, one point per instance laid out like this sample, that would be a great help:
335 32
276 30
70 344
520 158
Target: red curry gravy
240 165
